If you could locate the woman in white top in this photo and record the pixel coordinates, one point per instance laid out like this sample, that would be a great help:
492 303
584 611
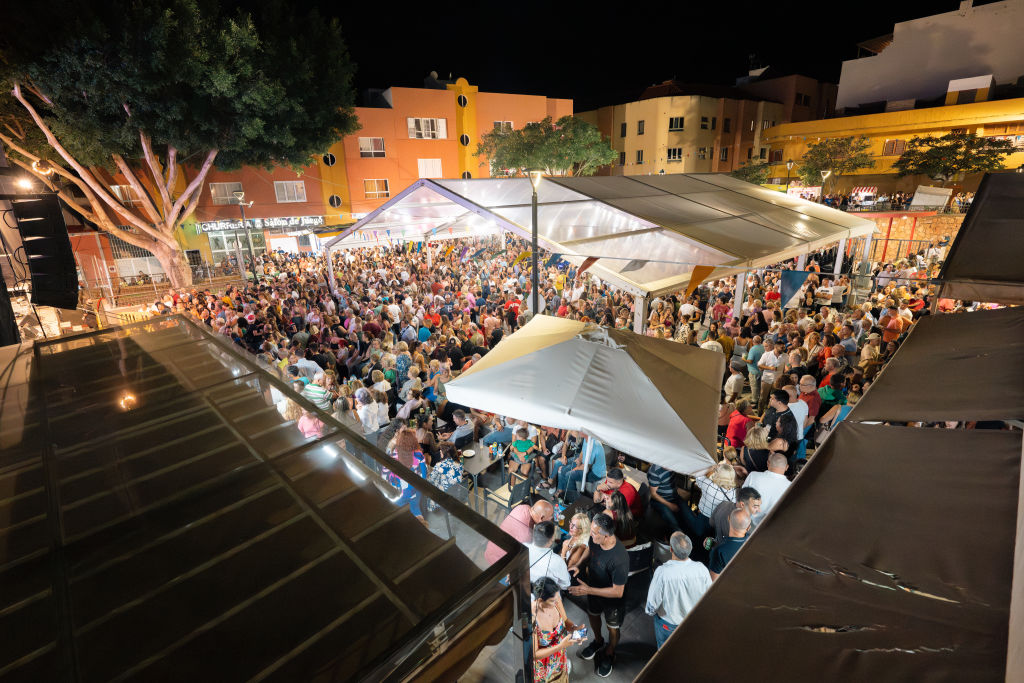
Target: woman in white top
381 401
367 411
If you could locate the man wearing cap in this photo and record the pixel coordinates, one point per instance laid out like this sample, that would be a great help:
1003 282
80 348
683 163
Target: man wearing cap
734 385
869 355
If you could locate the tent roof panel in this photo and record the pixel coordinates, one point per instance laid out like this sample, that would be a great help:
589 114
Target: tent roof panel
707 220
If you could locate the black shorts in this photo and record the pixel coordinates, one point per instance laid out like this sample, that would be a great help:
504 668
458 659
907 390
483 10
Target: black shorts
613 609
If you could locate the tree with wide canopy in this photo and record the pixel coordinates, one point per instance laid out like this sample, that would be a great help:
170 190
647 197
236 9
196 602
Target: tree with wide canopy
155 93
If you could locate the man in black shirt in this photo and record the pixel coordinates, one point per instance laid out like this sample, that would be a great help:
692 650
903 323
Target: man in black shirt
609 569
739 524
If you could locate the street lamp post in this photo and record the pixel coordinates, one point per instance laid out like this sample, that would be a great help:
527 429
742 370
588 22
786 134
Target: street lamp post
535 176
240 198
824 176
789 168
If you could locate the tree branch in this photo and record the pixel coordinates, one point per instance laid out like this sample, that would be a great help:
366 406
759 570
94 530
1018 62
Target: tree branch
172 168
140 191
82 172
194 186
154 170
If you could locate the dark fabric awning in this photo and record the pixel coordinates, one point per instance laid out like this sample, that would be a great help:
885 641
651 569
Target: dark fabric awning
967 366
890 558
986 261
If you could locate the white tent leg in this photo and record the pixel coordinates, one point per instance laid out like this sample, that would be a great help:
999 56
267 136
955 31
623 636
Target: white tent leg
738 294
839 257
639 313
332 284
587 453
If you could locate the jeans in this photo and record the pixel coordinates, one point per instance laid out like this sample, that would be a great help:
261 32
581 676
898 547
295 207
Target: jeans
697 524
572 483
498 436
662 630
559 472
667 515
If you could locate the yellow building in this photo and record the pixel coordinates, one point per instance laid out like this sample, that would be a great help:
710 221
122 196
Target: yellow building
680 128
889 132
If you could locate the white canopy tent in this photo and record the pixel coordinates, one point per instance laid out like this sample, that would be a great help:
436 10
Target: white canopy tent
648 232
651 398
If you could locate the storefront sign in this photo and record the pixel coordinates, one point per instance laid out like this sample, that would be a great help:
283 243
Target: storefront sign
261 223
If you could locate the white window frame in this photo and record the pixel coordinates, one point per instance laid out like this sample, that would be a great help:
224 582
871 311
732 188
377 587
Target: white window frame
379 191
429 168
126 195
372 148
702 153
676 123
427 128
224 193
503 125
290 191
723 154
673 154
639 156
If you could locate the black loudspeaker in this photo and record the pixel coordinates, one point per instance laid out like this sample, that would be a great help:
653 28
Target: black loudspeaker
51 262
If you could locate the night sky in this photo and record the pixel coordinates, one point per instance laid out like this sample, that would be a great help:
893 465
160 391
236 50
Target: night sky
607 53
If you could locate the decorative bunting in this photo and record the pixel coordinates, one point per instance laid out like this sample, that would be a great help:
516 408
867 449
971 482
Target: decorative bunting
449 250
419 246
789 286
552 261
699 275
462 256
522 255
589 261
478 253
635 264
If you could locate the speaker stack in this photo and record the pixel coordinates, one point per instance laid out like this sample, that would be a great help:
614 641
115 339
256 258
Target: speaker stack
51 262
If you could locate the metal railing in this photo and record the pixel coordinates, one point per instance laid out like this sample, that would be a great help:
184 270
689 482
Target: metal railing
889 207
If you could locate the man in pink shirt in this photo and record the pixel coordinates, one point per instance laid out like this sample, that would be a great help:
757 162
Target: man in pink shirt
519 525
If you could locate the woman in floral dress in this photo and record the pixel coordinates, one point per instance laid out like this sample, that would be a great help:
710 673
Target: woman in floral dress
447 473
552 633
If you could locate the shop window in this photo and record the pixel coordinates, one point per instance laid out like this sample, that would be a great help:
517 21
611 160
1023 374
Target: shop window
224 193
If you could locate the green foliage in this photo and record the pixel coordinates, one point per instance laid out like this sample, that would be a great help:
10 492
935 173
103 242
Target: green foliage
839 155
263 85
559 147
945 157
753 172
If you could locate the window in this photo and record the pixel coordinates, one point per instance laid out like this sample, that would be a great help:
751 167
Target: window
622 130
330 159
429 168
466 175
714 122
126 195
703 123
461 99
674 154
376 188
334 200
776 156
224 193
640 127
702 152
893 148
503 125
639 156
803 100
764 153
752 125
723 155
464 140
302 240
290 191
428 129
726 125
622 158
750 153
371 147
959 131
766 124
675 123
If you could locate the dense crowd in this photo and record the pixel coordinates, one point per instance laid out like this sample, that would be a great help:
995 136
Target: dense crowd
375 342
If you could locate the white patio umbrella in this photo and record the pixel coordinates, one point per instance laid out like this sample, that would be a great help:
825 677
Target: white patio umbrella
654 399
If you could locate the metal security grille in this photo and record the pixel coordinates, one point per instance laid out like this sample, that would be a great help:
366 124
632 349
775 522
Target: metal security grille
122 249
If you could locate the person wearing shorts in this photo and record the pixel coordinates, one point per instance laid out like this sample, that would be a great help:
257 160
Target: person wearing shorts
608 569
521 454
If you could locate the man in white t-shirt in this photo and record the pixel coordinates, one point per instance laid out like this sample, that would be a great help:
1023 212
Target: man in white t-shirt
543 560
798 408
771 484
688 309
768 364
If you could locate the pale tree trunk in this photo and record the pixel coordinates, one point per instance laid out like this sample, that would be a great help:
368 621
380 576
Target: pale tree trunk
175 265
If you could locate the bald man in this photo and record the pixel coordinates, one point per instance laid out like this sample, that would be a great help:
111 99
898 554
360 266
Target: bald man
739 525
519 525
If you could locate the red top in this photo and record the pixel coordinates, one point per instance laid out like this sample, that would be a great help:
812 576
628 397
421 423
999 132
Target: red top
736 432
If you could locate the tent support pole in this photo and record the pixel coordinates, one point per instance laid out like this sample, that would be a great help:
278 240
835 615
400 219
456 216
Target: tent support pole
639 313
588 453
738 296
332 283
839 257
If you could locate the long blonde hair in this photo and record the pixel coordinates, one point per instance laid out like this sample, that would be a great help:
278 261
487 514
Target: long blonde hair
724 475
757 438
582 528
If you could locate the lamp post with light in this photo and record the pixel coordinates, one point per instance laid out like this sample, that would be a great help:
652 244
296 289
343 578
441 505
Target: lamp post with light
535 176
824 176
240 198
789 168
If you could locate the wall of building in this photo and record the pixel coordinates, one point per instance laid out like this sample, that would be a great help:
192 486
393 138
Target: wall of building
903 230
704 128
785 89
929 52
996 118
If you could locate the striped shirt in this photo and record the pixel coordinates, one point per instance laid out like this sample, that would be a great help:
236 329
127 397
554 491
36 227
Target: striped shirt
660 479
318 396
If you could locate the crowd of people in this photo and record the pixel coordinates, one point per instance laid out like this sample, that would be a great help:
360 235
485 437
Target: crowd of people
375 341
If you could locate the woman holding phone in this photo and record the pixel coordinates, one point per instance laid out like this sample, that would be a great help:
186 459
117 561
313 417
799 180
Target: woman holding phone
553 633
